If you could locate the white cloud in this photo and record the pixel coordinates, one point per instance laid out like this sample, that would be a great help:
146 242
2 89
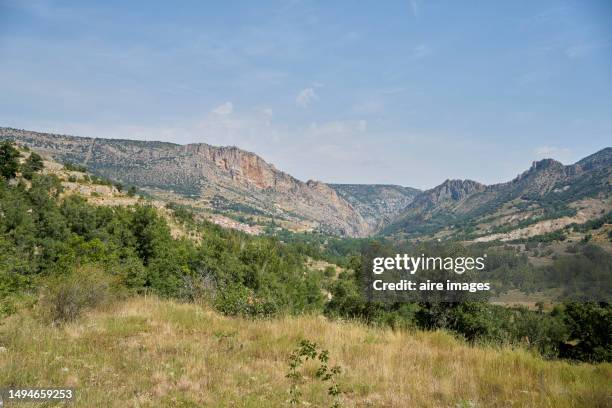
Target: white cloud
421 51
580 50
560 153
534 77
415 5
224 109
338 128
268 112
369 107
306 97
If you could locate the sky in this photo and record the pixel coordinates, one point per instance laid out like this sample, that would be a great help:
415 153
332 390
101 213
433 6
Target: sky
394 92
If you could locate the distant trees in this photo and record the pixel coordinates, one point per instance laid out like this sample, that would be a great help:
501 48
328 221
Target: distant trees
575 330
75 167
9 162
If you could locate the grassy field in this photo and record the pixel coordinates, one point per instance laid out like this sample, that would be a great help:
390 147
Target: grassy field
151 353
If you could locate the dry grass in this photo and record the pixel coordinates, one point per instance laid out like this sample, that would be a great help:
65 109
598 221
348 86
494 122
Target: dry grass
152 353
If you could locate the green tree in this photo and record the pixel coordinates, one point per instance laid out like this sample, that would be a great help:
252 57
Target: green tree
33 164
590 325
9 160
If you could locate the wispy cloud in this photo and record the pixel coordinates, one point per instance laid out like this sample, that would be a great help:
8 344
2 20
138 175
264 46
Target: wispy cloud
415 5
224 109
368 107
338 128
581 50
306 97
534 77
421 51
560 153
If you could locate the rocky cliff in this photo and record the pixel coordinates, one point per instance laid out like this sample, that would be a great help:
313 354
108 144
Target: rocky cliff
377 203
226 176
548 190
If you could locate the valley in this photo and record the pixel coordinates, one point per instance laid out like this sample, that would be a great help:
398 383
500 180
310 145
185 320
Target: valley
240 190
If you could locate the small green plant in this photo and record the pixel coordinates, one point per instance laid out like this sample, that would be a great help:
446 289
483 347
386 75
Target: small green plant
308 350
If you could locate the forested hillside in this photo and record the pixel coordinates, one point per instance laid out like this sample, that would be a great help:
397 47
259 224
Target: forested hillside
62 254
48 235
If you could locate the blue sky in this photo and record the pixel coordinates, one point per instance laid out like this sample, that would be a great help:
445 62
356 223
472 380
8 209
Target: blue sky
404 92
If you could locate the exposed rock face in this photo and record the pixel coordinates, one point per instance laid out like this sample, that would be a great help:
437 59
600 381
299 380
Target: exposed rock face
229 178
599 160
546 189
377 203
451 190
214 174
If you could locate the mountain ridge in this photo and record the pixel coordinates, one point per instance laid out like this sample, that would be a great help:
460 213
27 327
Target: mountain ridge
224 177
235 181
546 190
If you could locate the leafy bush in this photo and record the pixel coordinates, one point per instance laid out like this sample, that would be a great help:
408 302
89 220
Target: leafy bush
590 325
329 272
182 212
33 164
9 160
238 300
64 298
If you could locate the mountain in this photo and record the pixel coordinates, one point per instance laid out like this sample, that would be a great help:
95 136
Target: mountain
226 179
377 203
546 197
239 184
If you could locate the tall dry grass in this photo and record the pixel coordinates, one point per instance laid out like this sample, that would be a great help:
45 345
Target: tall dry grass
152 353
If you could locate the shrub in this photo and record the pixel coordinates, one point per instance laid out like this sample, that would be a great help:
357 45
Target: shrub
33 164
543 332
238 300
75 167
589 324
9 160
64 298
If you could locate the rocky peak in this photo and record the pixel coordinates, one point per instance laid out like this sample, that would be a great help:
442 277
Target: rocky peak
541 176
455 190
545 164
600 159
447 192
